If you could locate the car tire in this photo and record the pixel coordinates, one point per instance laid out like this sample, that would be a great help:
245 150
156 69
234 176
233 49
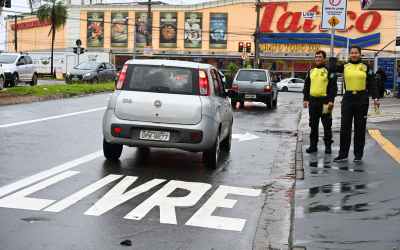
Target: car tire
269 102
2 82
34 80
226 144
111 151
14 80
285 89
211 156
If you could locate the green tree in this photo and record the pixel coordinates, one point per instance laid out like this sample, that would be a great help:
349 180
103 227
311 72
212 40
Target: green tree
54 12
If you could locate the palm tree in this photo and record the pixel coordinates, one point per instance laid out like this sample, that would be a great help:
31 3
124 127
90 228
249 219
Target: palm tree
54 12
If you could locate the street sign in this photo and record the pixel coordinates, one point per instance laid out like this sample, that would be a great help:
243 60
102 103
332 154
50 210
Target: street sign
334 8
310 15
333 21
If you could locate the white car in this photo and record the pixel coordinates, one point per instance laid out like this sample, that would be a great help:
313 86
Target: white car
169 104
291 84
2 78
18 68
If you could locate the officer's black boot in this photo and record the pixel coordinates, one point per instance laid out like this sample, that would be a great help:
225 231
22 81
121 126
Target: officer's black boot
311 150
328 147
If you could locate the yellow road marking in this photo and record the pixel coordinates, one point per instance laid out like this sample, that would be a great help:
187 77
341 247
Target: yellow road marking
386 145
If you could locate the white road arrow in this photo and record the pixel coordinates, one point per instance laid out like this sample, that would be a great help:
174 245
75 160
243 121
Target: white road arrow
244 137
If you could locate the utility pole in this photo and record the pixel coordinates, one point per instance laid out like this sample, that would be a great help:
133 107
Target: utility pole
15 33
257 36
149 24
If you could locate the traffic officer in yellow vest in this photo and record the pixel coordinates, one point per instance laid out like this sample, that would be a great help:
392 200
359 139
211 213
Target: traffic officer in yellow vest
359 84
319 91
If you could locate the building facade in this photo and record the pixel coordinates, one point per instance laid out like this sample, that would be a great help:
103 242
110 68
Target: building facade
211 32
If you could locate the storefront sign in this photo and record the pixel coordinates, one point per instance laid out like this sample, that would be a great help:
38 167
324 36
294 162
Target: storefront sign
141 33
168 29
334 14
291 21
95 29
119 29
193 28
290 48
218 30
30 25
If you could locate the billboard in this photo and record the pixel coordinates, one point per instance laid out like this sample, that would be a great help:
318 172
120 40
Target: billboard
95 29
119 29
142 19
218 30
193 30
168 29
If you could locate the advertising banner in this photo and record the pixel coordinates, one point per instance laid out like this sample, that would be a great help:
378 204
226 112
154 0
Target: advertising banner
95 29
119 29
168 29
218 30
193 30
141 19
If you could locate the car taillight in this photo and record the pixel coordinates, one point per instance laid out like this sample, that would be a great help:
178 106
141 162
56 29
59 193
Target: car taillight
121 78
203 83
267 88
235 87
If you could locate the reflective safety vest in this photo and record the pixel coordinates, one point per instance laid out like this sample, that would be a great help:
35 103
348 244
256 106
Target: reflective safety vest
355 76
319 82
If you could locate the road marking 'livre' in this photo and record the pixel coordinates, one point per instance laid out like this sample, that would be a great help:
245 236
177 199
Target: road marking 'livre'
50 118
386 145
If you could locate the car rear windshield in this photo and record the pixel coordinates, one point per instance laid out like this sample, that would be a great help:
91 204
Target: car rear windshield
251 75
86 66
161 79
8 59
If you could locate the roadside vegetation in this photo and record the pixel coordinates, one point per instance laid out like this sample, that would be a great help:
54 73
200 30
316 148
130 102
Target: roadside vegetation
58 90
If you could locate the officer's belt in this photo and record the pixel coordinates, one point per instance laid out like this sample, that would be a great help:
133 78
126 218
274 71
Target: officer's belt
357 92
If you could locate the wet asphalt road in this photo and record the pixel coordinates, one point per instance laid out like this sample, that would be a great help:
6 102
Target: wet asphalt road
347 205
67 142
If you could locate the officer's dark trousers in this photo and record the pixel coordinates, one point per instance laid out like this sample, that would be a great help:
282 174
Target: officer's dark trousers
353 107
315 111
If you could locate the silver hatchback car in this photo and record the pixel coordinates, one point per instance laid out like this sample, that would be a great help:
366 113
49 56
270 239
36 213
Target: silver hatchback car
169 104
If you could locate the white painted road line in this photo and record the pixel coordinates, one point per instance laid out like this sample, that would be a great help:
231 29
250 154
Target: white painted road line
47 173
50 118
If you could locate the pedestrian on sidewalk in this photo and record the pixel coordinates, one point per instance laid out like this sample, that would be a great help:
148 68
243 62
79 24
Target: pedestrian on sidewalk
380 80
319 91
359 83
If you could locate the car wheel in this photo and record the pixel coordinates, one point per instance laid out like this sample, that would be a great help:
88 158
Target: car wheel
2 82
211 156
269 102
226 144
112 151
34 80
233 103
14 80
285 89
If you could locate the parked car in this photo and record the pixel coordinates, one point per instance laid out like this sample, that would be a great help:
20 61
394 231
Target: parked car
168 104
92 72
291 84
18 68
254 85
2 78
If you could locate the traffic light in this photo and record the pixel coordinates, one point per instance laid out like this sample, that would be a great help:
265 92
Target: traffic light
82 50
248 47
75 50
398 41
241 45
78 50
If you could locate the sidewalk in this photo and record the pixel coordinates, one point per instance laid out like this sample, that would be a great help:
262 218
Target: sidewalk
349 206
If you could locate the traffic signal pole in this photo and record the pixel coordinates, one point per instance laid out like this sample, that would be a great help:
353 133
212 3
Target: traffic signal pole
257 36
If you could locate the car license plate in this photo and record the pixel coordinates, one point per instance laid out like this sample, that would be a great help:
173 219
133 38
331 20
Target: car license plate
154 135
250 96
75 78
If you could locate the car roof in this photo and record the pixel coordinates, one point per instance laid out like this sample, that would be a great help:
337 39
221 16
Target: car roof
13 54
252 69
170 63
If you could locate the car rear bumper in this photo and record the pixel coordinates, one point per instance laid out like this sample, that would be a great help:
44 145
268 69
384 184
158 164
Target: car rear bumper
180 135
259 97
